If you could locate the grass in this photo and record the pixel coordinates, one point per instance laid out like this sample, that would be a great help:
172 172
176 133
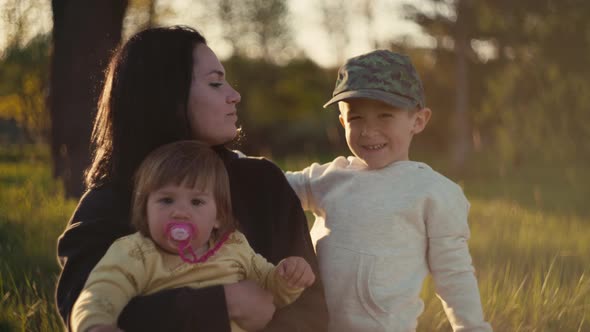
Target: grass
530 229
33 213
532 267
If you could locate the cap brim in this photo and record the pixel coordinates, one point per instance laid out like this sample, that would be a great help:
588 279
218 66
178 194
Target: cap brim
388 98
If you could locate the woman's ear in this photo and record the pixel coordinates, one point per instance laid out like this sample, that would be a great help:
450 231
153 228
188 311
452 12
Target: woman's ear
421 119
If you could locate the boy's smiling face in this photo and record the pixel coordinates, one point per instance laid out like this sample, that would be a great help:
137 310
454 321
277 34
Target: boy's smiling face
378 133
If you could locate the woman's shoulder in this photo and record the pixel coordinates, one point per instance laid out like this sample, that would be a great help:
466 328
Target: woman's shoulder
101 204
257 165
239 162
97 195
97 222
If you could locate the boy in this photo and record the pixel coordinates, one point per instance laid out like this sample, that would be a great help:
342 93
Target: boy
384 222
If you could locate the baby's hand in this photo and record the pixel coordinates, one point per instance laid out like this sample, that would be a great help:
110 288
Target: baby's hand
296 271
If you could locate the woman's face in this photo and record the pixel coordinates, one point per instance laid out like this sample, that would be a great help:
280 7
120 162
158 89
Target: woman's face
212 101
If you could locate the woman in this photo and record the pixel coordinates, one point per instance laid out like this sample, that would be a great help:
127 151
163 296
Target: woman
165 85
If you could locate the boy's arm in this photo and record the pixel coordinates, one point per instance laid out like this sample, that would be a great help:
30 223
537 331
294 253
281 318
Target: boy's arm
302 182
117 278
299 181
450 262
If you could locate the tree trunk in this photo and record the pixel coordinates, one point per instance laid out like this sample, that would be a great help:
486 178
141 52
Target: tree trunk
151 14
461 139
84 36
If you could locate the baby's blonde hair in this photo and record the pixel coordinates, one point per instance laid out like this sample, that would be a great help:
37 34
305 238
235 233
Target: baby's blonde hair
188 163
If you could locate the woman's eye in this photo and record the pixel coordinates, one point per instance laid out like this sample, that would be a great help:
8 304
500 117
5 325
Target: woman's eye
215 84
197 202
386 115
352 118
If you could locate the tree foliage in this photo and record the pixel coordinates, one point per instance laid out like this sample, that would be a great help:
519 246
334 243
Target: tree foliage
253 28
281 108
544 56
529 87
23 88
527 91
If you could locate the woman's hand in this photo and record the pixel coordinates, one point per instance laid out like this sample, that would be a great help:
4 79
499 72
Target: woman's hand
249 305
296 271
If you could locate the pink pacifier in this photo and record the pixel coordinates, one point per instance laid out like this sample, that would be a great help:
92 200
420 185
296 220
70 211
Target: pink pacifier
183 232
180 231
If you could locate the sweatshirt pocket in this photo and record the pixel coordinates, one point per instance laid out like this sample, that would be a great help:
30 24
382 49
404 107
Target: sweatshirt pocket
365 274
356 288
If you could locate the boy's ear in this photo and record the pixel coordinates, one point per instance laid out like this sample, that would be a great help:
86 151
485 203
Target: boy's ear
341 120
421 120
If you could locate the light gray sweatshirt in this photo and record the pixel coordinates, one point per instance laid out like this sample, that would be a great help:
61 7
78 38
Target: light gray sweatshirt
378 233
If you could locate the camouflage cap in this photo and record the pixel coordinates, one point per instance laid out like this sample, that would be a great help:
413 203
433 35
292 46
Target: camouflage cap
382 75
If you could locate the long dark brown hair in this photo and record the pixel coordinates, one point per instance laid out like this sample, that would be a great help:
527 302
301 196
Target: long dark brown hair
143 103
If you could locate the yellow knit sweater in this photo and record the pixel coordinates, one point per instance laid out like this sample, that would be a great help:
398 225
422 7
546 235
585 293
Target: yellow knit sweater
134 265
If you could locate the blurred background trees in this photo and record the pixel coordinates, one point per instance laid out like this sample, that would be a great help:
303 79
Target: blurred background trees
24 70
504 78
85 33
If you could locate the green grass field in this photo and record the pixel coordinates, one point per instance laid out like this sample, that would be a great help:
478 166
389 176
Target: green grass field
530 244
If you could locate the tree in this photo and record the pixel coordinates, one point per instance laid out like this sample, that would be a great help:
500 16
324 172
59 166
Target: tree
24 70
452 24
144 14
539 97
252 28
367 10
461 123
335 20
85 33
534 65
